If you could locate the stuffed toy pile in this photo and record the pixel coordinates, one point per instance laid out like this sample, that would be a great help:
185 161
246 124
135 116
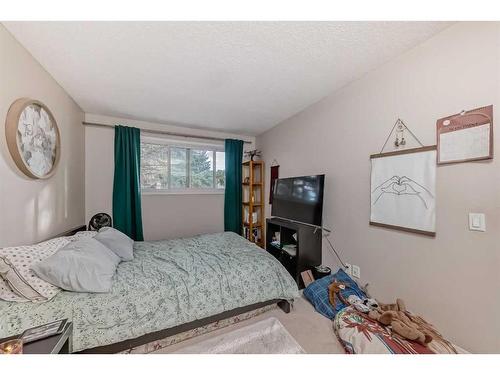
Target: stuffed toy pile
396 316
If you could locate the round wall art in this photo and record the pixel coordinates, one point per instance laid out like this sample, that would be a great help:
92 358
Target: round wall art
33 138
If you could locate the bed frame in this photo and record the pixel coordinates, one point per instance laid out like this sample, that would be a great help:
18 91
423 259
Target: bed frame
158 335
164 333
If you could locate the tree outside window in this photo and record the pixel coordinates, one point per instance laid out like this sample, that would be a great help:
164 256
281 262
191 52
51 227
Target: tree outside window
176 168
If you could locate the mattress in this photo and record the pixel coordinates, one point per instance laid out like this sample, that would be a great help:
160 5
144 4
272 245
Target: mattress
168 283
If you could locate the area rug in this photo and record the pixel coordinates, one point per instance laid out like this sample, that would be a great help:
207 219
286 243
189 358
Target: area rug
157 345
265 337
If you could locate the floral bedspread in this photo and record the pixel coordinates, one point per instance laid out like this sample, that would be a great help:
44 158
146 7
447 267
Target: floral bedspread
168 283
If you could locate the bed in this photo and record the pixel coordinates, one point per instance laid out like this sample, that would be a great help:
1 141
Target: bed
169 287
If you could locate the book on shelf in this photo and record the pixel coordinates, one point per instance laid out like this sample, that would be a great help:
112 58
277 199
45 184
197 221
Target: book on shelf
290 249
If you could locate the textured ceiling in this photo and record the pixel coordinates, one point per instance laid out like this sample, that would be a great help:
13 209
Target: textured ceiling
242 77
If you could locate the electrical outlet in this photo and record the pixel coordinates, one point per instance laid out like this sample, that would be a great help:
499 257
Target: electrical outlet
348 269
356 272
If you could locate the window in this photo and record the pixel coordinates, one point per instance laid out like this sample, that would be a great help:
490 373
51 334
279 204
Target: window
178 167
202 169
154 166
169 167
220 169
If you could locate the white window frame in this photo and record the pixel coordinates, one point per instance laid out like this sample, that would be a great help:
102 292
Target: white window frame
188 145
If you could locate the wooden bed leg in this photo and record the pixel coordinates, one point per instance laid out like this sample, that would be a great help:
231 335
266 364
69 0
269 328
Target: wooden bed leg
284 305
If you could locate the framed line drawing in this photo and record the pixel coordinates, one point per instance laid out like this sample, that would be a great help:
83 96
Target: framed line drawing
403 190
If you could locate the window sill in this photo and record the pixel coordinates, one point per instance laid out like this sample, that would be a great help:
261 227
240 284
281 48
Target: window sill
184 192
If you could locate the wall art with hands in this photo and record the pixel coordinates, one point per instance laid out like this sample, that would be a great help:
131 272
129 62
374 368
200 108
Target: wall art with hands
403 190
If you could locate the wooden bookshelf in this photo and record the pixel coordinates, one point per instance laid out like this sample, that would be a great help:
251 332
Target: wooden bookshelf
253 202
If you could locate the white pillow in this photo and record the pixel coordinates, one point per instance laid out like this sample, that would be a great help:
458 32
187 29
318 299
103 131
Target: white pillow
83 234
23 258
85 265
118 242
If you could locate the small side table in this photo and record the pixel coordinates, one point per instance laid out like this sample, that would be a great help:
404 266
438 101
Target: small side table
58 344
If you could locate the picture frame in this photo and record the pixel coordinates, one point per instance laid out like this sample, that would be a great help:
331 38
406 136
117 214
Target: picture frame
403 190
43 331
33 138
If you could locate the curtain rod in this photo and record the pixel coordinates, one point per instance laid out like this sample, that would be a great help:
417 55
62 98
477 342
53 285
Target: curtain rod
165 132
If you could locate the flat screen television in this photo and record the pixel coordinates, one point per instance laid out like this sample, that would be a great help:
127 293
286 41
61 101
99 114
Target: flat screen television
299 199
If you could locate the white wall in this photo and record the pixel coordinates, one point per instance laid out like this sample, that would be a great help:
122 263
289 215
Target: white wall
452 280
164 216
33 210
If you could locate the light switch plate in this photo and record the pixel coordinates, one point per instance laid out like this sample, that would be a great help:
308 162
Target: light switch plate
477 222
356 272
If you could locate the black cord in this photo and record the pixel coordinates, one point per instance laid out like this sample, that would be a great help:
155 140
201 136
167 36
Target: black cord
334 251
363 288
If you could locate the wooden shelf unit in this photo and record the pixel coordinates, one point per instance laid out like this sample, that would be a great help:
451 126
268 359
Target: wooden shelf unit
253 202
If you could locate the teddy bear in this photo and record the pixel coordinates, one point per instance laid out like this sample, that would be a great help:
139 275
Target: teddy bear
398 306
396 316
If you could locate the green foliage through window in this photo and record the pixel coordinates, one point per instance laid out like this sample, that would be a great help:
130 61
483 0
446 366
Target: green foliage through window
166 167
154 166
202 175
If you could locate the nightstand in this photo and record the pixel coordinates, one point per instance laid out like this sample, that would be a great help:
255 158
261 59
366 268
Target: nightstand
58 344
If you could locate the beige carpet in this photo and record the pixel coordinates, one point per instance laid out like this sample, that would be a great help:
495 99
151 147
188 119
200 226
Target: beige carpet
311 330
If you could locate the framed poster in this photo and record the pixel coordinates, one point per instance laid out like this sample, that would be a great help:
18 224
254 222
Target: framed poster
465 136
403 190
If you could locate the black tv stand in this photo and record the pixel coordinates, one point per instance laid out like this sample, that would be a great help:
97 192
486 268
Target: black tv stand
306 238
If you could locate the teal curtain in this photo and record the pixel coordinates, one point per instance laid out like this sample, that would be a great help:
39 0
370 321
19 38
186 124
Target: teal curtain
127 214
233 192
